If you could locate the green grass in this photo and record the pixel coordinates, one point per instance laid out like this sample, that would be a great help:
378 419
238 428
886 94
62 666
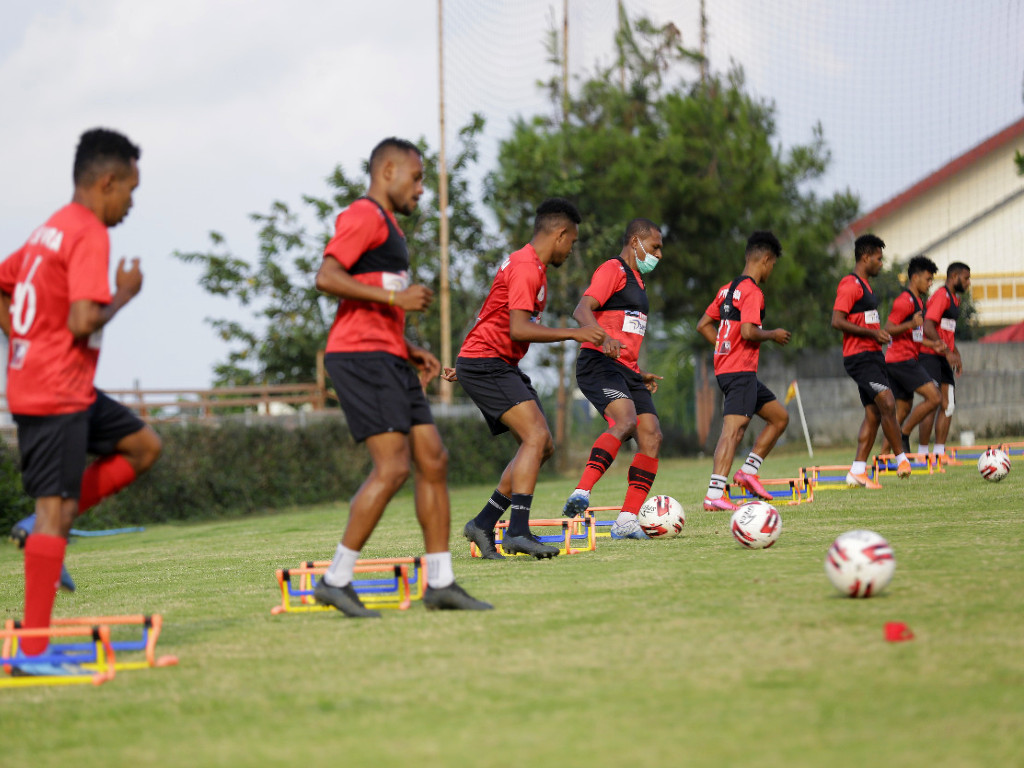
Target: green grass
687 652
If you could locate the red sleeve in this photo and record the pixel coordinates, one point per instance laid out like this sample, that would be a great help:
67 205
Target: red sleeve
9 271
902 309
358 229
523 281
607 279
89 267
751 304
847 295
937 306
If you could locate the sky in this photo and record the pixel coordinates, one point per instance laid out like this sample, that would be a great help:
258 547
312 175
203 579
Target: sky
237 104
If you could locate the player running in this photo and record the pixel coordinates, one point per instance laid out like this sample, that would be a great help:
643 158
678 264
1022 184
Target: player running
738 308
609 375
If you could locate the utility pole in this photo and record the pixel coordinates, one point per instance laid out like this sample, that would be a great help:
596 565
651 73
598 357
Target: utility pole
703 43
442 208
561 416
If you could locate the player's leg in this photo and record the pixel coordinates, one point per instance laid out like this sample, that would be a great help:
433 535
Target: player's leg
858 474
902 409
642 473
942 421
886 404
932 399
621 416
776 420
734 426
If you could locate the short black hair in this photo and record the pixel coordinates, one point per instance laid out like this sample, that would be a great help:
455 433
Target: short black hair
638 228
762 240
386 146
956 268
921 264
99 147
553 212
866 244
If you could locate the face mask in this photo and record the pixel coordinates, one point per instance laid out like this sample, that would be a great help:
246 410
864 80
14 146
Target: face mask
648 262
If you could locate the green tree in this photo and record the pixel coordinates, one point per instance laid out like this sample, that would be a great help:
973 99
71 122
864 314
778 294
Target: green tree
290 318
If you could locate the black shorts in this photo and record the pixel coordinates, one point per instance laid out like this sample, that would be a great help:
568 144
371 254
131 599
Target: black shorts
905 377
379 392
602 380
939 369
744 394
868 370
53 448
495 386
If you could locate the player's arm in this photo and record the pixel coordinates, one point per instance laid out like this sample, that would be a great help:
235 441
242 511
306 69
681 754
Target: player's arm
522 328
584 315
87 316
840 323
332 278
5 313
706 328
751 332
424 361
651 380
895 329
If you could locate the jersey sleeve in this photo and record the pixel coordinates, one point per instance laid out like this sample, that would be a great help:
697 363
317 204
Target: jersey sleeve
607 280
751 304
902 309
847 295
524 280
358 229
937 306
89 267
9 271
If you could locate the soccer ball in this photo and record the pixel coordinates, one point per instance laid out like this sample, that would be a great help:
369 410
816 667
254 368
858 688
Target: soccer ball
756 525
860 563
994 465
662 517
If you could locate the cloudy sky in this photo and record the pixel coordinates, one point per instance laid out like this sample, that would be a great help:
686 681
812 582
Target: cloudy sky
237 104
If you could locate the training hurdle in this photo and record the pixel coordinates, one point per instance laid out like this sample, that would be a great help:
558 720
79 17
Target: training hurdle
96 655
920 463
1013 450
958 454
792 490
394 592
577 535
824 478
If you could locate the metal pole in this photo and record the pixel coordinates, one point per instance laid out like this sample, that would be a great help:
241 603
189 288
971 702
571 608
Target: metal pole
442 205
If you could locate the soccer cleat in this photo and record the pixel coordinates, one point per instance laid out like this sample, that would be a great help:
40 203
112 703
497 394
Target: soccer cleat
719 505
527 544
19 535
46 669
484 540
627 526
344 599
453 598
752 483
863 481
903 470
577 503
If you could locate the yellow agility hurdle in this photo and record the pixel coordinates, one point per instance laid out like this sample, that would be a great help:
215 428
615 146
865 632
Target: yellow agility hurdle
394 593
97 650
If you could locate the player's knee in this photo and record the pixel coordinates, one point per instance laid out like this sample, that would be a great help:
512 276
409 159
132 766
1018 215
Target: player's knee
152 448
435 466
933 397
782 421
393 474
649 441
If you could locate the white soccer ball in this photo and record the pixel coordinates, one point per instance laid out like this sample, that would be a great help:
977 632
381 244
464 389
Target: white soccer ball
994 465
860 563
756 525
662 517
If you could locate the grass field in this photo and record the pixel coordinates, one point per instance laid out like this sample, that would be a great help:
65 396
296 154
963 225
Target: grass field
687 652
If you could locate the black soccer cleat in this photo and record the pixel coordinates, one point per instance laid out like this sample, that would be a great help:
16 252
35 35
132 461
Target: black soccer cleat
484 540
452 598
528 544
344 599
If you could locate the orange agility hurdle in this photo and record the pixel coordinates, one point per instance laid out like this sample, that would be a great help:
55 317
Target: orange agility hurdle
920 463
96 656
793 490
577 535
150 627
393 593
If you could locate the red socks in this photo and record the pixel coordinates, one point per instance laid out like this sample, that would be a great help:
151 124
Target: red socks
43 558
104 477
605 449
642 472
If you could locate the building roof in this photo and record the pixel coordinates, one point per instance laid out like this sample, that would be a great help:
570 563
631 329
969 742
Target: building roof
968 158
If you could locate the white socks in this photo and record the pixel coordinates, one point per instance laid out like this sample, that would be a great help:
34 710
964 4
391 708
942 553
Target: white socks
859 468
752 466
716 488
342 567
439 569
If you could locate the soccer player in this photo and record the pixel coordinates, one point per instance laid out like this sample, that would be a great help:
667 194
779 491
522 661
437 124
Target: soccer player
906 374
488 368
855 313
610 377
738 308
940 325
55 292
366 265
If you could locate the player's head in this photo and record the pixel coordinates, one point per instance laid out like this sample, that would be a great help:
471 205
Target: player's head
396 174
559 221
106 169
958 276
764 249
643 236
868 249
920 273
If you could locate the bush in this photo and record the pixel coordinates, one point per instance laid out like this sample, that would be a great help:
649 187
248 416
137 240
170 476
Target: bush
14 504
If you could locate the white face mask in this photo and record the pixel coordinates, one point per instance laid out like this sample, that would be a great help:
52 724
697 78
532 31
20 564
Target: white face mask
648 262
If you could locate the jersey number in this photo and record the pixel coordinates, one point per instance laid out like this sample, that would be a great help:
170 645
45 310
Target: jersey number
722 343
23 303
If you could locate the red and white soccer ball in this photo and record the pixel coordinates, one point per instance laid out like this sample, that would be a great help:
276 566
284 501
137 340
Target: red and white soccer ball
860 563
662 517
994 465
756 525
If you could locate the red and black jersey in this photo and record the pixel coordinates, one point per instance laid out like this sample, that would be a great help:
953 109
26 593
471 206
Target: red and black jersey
50 372
856 299
943 310
521 283
622 308
369 245
906 345
734 304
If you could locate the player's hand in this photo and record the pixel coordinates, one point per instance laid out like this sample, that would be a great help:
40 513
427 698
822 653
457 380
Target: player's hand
129 280
917 320
591 334
953 356
612 347
415 298
651 381
940 347
448 374
781 336
881 336
428 365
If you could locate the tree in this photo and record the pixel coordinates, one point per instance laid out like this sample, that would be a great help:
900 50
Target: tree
290 317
